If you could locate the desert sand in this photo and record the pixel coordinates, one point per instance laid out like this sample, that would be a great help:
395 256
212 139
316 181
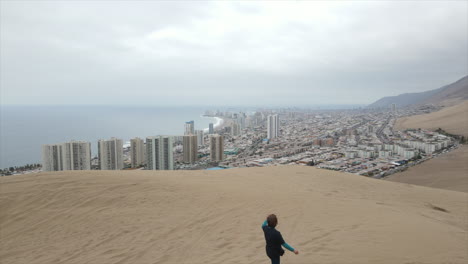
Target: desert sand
448 171
215 217
453 119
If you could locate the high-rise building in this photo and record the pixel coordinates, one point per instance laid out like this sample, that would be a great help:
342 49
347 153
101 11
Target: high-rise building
159 153
137 152
200 139
235 129
190 148
189 128
211 129
52 157
273 126
74 155
110 154
241 120
216 148
393 108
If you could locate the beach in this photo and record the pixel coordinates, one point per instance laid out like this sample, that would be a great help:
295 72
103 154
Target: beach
218 124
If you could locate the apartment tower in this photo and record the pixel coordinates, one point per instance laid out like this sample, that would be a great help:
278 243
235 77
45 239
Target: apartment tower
110 154
52 157
74 155
235 129
272 126
159 153
211 129
190 144
200 139
216 148
137 152
189 128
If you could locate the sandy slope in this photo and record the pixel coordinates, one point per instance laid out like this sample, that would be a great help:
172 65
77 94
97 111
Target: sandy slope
453 119
215 217
448 171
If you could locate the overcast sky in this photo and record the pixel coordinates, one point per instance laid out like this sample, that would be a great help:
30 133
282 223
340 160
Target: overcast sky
228 53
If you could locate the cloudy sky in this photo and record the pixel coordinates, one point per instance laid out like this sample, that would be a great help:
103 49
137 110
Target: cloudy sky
228 53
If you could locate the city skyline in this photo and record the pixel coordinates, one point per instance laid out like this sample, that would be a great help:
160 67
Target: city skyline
360 141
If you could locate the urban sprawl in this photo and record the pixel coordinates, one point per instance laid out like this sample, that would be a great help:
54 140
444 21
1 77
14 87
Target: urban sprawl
360 141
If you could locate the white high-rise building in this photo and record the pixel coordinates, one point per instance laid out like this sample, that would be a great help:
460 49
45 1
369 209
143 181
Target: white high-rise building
110 154
190 148
74 155
159 153
235 129
273 126
200 139
189 128
52 157
137 152
216 148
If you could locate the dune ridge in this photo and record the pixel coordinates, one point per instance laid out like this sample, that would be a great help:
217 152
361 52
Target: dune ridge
453 119
215 217
447 171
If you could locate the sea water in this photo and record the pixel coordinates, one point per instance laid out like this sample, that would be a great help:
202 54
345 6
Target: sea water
24 129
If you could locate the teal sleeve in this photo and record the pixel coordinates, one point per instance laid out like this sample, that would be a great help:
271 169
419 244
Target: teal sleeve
265 223
288 247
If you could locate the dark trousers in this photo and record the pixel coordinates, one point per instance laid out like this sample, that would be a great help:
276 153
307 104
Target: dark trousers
275 260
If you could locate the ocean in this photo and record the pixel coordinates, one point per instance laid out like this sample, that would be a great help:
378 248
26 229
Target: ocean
24 129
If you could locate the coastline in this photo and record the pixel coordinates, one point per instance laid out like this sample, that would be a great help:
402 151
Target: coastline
20 147
219 122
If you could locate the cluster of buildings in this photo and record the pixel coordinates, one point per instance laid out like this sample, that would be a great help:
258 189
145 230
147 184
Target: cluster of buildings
155 153
360 141
75 155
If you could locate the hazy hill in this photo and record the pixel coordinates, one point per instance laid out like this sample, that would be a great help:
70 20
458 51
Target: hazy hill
215 217
447 95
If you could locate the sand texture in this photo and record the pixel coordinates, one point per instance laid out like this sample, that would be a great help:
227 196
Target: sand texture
215 217
447 171
453 119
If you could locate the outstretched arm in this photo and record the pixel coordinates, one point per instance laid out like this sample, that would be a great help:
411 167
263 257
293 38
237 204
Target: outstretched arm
288 247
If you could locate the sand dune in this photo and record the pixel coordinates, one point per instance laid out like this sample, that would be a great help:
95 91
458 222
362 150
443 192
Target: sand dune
448 171
215 217
453 119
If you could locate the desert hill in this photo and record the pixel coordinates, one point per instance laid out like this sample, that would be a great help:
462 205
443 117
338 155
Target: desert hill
215 217
453 119
447 95
448 171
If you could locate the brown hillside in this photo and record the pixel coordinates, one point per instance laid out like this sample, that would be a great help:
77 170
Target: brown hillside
453 119
448 171
452 94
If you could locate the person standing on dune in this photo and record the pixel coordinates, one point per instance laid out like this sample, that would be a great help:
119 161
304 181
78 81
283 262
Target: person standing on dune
274 240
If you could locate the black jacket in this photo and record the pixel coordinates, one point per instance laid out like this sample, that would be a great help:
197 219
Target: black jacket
274 240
